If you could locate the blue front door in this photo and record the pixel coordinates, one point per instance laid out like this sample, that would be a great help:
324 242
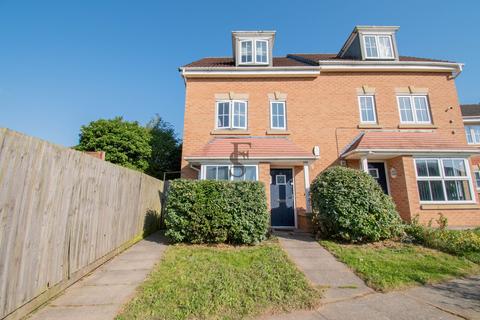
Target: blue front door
281 198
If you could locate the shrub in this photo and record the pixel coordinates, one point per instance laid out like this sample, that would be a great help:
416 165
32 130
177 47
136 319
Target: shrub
465 243
205 211
350 205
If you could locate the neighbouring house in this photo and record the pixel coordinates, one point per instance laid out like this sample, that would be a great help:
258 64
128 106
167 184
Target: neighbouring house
471 121
283 120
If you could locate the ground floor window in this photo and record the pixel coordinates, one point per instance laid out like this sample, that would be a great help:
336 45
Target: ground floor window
443 180
229 172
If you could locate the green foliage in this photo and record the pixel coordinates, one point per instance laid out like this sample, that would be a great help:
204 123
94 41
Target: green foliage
464 243
349 205
125 143
153 149
166 148
394 265
206 211
196 282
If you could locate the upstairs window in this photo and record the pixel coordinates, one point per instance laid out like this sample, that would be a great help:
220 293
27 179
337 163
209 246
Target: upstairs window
443 180
414 109
277 115
231 114
246 51
473 134
378 47
367 109
254 52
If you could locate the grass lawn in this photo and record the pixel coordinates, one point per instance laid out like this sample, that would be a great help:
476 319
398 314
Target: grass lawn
224 282
392 265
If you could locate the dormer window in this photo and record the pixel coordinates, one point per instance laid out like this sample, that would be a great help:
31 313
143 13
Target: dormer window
250 49
378 47
253 48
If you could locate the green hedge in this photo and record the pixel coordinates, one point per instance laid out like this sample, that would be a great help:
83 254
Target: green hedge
350 205
205 211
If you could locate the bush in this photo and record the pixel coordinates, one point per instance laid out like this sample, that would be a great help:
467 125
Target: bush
205 211
349 205
464 243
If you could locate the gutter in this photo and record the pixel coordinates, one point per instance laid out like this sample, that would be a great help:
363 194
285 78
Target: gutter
409 151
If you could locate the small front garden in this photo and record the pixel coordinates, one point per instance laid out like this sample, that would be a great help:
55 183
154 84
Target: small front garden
360 226
221 282
395 265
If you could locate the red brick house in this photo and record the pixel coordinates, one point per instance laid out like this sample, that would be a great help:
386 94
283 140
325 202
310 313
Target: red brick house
283 120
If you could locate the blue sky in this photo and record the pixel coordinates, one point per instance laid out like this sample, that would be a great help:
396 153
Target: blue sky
66 63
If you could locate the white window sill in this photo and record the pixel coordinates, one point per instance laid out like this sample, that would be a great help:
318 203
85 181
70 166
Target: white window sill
229 132
416 125
366 125
277 132
449 206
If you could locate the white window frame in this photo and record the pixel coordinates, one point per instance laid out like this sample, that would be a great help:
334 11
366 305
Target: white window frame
475 177
284 127
254 51
379 56
471 130
444 178
414 108
231 125
203 170
374 108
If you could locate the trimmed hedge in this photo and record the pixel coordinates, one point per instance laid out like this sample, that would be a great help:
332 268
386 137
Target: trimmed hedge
349 205
206 211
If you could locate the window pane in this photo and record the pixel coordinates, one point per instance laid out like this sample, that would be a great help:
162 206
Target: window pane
385 47
239 114
246 51
223 113
261 51
421 109
367 109
250 173
211 173
222 173
424 191
477 179
433 169
437 190
454 168
406 114
457 190
421 168
238 172
468 132
281 122
371 47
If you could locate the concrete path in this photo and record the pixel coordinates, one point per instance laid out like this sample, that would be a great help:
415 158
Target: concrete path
100 295
457 299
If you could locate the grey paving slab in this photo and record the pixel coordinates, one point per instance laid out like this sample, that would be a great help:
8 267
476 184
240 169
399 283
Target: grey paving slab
460 296
100 295
321 268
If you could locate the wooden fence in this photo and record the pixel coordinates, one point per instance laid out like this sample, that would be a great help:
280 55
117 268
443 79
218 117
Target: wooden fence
62 214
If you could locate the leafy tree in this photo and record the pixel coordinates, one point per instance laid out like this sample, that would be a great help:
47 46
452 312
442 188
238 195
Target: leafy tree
166 147
125 143
153 149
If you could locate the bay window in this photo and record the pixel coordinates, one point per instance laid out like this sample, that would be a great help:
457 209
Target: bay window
443 180
231 114
229 172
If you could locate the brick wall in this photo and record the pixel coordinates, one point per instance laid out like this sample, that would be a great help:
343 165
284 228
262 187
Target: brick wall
322 111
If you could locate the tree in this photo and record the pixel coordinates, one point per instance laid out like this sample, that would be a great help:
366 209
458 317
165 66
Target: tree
153 149
166 148
125 143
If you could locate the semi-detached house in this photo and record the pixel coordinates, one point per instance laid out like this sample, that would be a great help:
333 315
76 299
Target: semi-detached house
283 120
